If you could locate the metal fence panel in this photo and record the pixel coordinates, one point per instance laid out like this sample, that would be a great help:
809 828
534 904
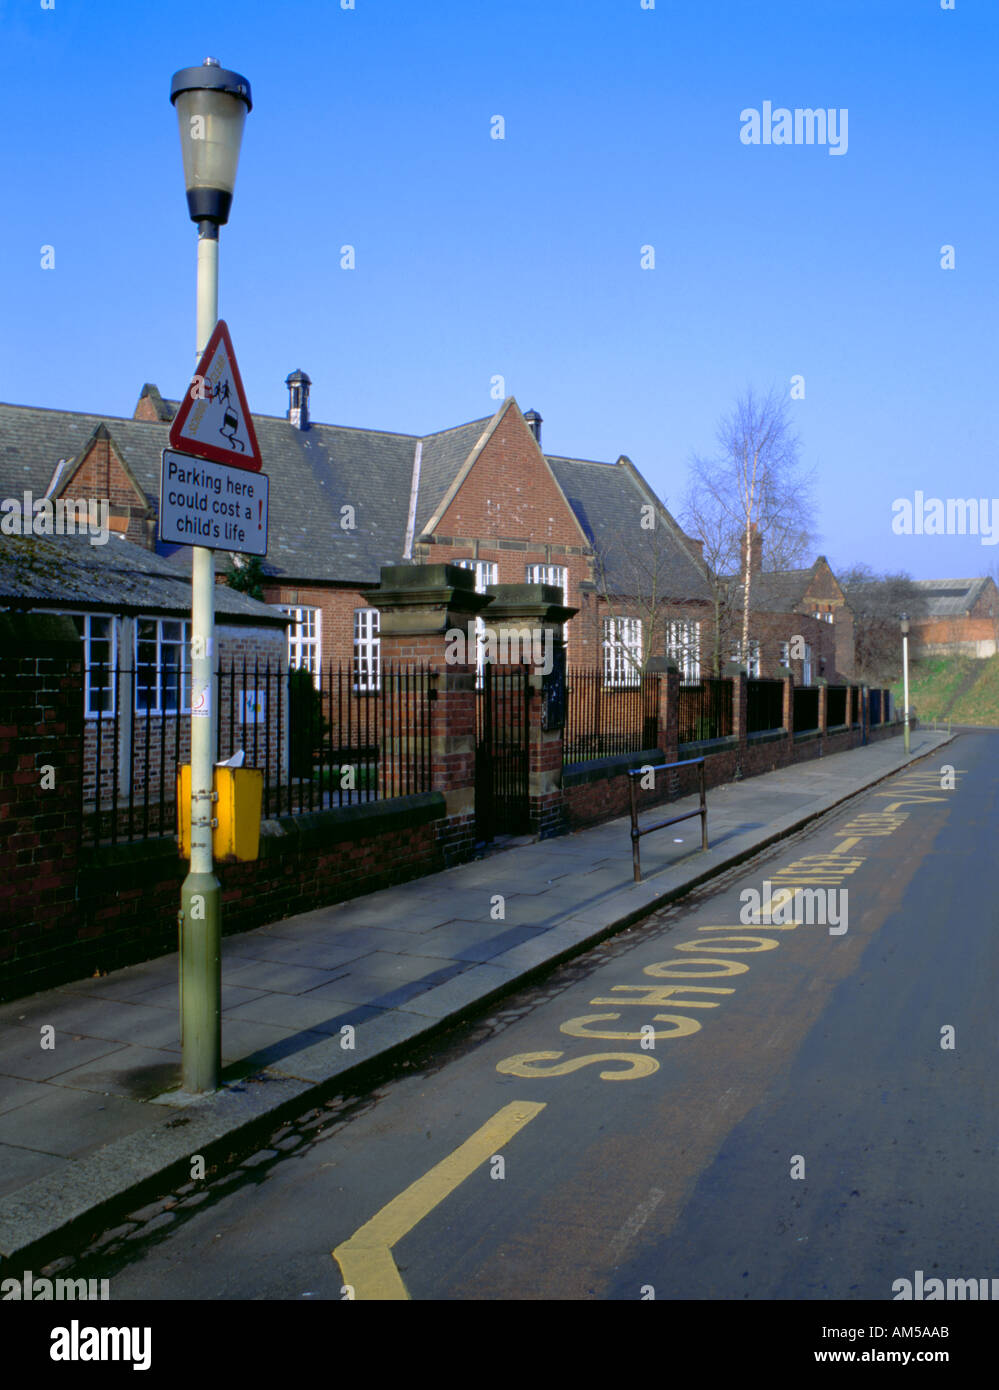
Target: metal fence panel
704 710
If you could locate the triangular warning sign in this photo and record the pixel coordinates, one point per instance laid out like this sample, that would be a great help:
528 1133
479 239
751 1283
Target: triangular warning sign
213 421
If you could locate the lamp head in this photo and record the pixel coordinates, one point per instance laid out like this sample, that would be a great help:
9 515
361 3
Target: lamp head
211 104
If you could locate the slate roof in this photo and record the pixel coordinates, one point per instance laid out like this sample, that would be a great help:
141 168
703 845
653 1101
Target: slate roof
774 591
443 456
607 501
68 572
316 472
950 598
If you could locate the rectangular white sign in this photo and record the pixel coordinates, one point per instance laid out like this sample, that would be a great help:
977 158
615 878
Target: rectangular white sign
210 504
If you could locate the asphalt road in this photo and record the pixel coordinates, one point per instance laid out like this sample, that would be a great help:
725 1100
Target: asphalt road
807 1133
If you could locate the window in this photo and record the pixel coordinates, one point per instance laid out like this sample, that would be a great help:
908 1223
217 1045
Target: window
559 576
162 671
485 573
806 666
753 664
305 647
100 653
785 654
550 574
683 644
622 651
367 650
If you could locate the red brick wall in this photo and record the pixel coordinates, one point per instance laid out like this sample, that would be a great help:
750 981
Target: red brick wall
592 802
511 494
40 725
509 511
129 899
337 607
101 475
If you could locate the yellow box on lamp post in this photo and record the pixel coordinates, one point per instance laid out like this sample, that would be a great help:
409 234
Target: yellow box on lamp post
239 793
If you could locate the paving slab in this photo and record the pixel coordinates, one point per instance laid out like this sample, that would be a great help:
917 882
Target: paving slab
87 1126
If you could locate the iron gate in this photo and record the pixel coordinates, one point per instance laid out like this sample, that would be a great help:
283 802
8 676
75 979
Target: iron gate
502 806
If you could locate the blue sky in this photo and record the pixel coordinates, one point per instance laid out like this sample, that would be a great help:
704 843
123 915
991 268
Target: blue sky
520 257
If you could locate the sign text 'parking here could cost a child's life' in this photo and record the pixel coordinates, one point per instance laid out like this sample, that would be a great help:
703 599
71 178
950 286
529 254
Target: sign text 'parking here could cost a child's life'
212 505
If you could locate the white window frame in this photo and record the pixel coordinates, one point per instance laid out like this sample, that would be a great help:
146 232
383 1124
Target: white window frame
305 637
806 666
559 576
785 655
753 664
622 639
683 645
161 643
367 651
84 622
485 572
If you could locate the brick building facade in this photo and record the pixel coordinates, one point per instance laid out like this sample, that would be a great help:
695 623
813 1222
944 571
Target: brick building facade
485 495
961 618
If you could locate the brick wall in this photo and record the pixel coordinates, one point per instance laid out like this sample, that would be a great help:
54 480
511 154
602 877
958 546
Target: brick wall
129 896
66 911
41 713
599 790
101 473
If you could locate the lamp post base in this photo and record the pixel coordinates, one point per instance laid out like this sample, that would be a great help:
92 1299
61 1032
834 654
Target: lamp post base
200 924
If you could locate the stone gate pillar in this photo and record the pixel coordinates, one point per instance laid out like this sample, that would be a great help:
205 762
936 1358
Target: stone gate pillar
419 606
525 621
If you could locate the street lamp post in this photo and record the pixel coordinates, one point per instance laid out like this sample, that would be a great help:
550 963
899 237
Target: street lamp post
211 105
905 675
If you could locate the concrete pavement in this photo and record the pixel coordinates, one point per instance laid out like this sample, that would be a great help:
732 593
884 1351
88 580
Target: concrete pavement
95 1125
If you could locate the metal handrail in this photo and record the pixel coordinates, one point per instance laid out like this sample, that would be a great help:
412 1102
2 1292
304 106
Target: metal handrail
702 811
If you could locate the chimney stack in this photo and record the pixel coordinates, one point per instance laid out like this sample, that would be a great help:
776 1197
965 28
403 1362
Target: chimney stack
534 424
298 384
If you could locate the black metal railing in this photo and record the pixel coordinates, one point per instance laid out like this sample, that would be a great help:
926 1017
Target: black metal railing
325 739
806 708
764 705
835 706
874 707
602 720
704 710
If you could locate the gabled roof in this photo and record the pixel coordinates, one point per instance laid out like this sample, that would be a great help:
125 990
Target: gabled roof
68 572
950 598
317 472
607 499
444 455
777 591
34 440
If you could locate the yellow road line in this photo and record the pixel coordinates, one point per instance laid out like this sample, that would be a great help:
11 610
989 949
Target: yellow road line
365 1259
844 845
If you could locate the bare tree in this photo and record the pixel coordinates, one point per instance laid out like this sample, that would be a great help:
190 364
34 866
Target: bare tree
755 482
878 602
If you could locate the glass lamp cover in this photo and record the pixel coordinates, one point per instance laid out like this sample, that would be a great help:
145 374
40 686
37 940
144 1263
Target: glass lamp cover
211 130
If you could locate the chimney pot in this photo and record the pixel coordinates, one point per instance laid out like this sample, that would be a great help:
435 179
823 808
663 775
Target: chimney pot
534 423
298 384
